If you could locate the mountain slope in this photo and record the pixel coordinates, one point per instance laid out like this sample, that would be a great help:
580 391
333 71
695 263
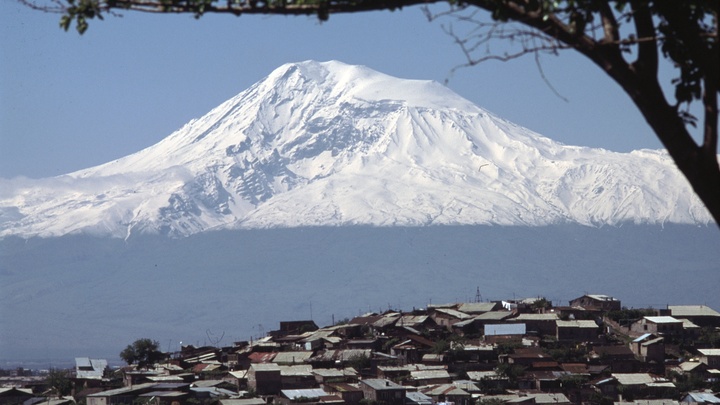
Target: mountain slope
332 144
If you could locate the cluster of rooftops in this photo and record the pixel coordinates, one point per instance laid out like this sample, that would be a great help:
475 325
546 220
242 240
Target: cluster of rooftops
520 351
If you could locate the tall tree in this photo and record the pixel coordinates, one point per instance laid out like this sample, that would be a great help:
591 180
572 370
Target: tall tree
59 381
144 352
627 39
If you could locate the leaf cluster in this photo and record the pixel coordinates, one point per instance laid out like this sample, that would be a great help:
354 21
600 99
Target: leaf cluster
143 352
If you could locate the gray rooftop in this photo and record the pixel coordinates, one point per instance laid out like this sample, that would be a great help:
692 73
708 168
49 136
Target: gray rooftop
692 310
381 384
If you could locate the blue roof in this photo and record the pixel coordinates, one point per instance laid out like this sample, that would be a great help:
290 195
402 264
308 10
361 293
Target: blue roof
505 329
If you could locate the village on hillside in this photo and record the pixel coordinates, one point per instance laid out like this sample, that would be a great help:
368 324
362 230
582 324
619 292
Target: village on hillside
593 351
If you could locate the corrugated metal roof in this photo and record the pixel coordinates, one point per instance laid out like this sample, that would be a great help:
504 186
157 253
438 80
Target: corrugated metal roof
692 310
261 357
418 398
386 320
634 378
493 315
577 324
466 385
479 375
601 297
549 398
381 384
90 368
297 371
709 352
244 401
305 393
240 374
476 307
641 338
653 341
537 317
445 389
123 390
453 313
412 320
164 394
82 362
504 329
165 378
662 319
334 372
291 357
429 374
704 397
265 367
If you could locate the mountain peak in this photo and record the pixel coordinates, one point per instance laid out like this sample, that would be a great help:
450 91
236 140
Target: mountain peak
326 143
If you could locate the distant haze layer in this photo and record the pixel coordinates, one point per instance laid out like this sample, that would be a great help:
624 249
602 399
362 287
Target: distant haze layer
86 296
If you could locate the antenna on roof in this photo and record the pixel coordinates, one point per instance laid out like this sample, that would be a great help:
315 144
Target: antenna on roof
478 297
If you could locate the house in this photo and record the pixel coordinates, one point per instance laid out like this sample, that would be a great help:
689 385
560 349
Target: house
695 369
447 317
124 395
711 357
333 375
163 397
538 324
597 301
263 378
700 398
238 378
412 349
477 352
629 383
394 373
658 325
308 396
297 377
383 391
577 331
417 398
488 379
351 394
339 358
649 348
430 376
547 381
477 308
291 358
701 315
477 322
540 399
294 328
415 321
87 368
525 357
14 395
448 393
620 358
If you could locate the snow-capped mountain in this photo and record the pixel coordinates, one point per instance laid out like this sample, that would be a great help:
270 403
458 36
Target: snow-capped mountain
333 144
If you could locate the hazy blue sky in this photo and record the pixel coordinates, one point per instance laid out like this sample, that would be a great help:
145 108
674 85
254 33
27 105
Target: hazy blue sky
68 101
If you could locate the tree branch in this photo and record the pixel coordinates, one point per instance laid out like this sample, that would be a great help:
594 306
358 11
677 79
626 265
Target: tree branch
647 61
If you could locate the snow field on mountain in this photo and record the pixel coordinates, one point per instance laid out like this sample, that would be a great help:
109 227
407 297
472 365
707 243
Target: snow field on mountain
324 143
